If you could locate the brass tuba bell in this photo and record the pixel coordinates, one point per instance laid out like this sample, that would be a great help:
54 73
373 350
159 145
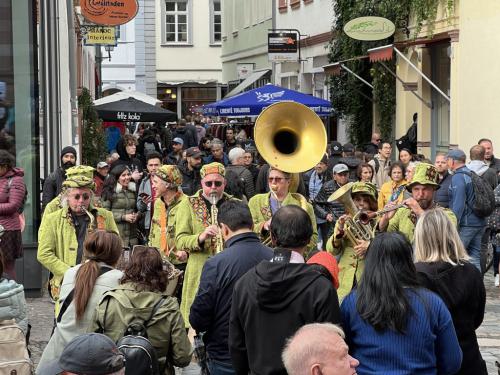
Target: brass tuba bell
290 137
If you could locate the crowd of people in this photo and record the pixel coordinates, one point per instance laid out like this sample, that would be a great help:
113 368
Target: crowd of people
273 272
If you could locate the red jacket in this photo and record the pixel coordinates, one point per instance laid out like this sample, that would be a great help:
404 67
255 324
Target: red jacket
11 198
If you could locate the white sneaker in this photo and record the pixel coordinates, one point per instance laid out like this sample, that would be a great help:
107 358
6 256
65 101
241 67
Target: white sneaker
497 280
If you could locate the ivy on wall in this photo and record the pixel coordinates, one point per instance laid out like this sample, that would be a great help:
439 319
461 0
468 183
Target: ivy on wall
93 137
352 99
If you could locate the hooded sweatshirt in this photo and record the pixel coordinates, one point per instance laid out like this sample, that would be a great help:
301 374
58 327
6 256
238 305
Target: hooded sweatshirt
462 290
270 303
483 170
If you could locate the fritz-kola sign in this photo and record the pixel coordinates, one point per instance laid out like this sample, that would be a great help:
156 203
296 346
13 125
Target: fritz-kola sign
109 12
369 28
127 116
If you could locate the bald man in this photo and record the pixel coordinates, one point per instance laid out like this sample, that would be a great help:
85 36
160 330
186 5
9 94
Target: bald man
318 349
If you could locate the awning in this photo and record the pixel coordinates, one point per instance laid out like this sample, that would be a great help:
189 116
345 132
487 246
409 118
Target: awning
120 95
252 78
187 82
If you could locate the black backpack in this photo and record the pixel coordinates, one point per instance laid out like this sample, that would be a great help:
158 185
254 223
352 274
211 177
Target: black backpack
140 355
484 197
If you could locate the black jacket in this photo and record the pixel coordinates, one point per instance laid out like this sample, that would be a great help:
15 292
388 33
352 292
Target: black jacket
191 180
52 185
441 195
371 148
131 162
353 164
187 134
270 302
246 176
212 306
321 205
462 290
495 164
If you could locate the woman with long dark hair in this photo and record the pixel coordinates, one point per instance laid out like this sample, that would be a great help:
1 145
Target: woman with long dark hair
443 266
119 195
82 288
392 325
141 295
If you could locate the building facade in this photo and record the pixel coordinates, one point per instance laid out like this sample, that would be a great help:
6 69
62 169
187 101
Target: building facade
460 60
188 47
244 43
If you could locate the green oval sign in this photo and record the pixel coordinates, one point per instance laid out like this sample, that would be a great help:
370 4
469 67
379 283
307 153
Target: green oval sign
369 28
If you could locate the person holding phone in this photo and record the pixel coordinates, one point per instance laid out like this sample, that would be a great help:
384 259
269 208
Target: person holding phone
147 195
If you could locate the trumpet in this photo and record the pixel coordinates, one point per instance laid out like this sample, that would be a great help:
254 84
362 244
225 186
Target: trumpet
365 216
213 213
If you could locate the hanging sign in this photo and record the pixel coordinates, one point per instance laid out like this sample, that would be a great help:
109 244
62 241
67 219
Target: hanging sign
100 35
282 46
109 12
369 28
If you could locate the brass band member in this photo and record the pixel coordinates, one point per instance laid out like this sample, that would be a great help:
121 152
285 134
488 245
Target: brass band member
352 255
197 232
263 206
63 232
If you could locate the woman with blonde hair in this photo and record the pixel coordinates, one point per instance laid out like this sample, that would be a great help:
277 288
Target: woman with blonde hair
443 267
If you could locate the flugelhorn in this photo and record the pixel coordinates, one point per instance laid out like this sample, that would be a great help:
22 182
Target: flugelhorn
366 216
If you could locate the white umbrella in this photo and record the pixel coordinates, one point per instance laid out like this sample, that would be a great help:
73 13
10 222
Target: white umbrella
125 95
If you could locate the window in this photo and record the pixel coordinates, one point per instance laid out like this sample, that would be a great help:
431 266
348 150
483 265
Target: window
215 22
177 21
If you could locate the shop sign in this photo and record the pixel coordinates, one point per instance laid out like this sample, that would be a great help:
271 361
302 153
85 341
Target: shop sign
100 35
128 116
282 46
369 28
109 12
244 69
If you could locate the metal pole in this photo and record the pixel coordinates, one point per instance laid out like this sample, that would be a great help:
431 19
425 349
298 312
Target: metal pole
421 74
357 76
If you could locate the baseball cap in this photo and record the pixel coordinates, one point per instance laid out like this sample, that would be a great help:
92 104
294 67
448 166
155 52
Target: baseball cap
178 140
340 168
348 147
102 164
193 152
90 353
456 154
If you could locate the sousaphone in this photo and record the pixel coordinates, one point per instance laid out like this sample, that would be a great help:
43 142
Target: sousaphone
290 137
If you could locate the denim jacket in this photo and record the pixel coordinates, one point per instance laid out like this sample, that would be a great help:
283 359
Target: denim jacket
461 194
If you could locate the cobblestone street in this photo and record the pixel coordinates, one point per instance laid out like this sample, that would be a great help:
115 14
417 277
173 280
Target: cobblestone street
41 319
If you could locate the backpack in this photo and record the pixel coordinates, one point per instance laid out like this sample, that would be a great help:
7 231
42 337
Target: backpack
14 357
140 355
484 197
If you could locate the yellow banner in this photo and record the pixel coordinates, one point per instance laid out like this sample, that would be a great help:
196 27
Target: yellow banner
99 35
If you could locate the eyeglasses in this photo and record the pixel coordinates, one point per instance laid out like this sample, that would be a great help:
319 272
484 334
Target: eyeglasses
215 183
85 196
377 140
276 179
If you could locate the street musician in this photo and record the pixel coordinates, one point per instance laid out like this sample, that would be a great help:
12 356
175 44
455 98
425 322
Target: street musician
263 206
353 232
422 188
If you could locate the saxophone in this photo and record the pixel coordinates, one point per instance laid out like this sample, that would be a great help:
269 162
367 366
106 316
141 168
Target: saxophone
213 221
91 217
273 188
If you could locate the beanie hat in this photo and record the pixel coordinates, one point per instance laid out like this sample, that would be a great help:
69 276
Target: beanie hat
68 150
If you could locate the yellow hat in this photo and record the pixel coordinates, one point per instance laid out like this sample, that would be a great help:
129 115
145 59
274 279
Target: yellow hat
212 168
425 174
79 182
80 170
170 174
366 188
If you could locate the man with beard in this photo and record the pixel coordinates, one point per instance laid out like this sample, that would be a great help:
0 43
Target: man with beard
230 142
190 170
197 232
53 183
441 196
489 157
422 187
146 194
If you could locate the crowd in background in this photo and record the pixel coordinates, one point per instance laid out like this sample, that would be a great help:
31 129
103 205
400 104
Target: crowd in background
413 292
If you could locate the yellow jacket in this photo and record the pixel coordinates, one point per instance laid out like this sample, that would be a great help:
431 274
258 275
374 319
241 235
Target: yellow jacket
384 196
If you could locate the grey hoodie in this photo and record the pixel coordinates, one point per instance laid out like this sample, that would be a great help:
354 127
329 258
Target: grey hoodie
13 303
477 166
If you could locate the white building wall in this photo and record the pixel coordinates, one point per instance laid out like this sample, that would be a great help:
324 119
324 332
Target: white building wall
196 61
119 73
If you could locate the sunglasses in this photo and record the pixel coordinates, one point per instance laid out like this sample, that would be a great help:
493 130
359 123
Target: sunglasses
85 196
276 179
213 183
377 140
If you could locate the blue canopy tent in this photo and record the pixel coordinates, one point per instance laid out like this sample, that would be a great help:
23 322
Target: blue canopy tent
251 103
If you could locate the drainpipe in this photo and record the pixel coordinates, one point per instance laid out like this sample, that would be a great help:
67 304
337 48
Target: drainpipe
72 71
273 26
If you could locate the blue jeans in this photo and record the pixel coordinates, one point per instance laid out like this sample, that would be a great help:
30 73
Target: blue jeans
220 368
471 238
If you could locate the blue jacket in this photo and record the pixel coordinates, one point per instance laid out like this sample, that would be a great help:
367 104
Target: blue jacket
211 308
461 195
